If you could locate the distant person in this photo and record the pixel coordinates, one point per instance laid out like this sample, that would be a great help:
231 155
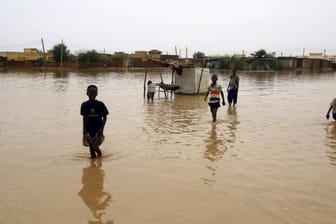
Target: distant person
94 114
215 91
333 109
150 90
233 87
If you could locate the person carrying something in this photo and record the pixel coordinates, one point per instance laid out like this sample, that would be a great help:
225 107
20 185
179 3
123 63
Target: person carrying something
94 114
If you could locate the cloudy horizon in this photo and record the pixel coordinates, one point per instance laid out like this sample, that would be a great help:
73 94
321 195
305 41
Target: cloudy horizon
214 27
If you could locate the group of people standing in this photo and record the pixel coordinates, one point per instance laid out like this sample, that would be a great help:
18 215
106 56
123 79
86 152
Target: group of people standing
215 93
95 112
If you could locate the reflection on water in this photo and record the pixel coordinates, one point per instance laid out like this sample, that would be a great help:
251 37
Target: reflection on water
92 192
331 142
215 149
214 145
232 122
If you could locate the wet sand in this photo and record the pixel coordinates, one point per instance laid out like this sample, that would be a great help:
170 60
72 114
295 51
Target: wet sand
271 159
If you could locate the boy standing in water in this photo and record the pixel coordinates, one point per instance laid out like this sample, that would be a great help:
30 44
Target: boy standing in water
215 91
233 87
333 108
94 114
150 90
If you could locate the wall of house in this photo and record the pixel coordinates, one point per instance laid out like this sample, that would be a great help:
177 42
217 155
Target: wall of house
29 54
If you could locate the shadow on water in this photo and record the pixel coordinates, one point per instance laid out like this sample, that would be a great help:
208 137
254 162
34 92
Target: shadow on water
93 194
331 142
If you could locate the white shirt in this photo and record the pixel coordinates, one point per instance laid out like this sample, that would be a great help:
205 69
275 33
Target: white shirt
151 88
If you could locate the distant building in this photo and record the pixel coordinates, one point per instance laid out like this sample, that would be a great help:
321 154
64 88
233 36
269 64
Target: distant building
312 62
239 56
169 57
155 54
316 56
28 54
139 58
142 55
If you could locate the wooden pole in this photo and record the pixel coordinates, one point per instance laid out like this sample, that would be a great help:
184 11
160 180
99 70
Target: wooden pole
144 93
161 78
172 82
173 72
200 80
62 55
44 55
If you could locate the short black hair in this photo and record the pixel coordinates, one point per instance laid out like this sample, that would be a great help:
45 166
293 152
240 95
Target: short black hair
91 87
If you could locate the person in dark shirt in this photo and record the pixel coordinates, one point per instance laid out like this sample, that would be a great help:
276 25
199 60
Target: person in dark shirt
94 114
233 87
332 108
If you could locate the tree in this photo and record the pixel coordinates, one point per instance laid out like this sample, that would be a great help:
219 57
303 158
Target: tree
90 56
58 50
198 55
259 54
2 59
263 60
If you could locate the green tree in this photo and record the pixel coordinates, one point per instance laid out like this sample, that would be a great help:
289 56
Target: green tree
259 54
120 54
263 60
90 56
2 59
198 55
58 50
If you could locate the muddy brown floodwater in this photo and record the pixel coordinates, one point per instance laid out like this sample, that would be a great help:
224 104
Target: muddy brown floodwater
271 159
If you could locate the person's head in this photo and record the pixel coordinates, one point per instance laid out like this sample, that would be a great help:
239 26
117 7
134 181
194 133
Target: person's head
214 78
149 82
92 91
234 70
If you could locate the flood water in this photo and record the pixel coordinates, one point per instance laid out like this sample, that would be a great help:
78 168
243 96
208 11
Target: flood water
271 159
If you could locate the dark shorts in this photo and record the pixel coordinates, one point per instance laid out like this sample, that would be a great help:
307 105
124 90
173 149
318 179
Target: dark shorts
214 105
334 116
150 94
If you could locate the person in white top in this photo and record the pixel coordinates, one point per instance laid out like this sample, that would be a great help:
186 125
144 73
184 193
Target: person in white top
150 90
333 109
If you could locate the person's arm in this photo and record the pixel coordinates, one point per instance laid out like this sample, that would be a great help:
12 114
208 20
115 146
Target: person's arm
84 126
101 131
206 96
82 112
237 83
327 115
223 99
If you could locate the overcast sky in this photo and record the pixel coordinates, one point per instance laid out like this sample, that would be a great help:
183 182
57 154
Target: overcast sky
210 26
